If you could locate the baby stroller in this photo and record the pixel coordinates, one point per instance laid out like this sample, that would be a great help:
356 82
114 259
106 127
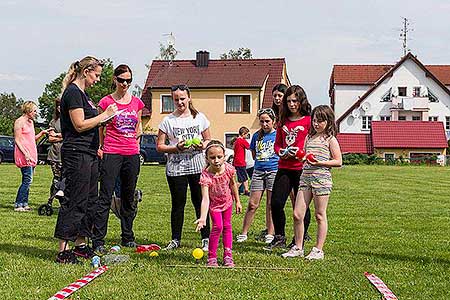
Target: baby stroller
58 192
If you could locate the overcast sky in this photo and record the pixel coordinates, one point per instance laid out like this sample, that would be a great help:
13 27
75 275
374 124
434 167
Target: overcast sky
40 38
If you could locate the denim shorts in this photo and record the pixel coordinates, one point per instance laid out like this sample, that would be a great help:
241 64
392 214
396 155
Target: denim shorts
262 180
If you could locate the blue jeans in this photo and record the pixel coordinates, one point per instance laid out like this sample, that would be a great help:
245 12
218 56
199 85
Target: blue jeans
24 189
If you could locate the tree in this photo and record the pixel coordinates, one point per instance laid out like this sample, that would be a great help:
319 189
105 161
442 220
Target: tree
9 112
241 53
52 91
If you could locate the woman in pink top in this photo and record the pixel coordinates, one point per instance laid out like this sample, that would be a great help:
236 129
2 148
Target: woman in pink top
25 152
218 190
119 151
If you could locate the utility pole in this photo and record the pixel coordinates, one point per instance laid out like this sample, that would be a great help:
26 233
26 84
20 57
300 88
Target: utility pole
404 35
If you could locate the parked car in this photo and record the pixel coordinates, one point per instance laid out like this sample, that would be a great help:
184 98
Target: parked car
42 148
148 151
6 149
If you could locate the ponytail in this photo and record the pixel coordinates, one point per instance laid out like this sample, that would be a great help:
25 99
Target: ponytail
77 68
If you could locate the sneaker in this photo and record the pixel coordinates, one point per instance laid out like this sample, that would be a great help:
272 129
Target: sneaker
293 252
262 235
315 254
101 250
205 245
228 262
84 251
59 194
131 244
67 257
278 241
212 262
173 244
27 208
241 238
19 208
268 239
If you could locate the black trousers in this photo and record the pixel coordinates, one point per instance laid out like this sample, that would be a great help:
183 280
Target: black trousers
178 190
284 182
75 217
127 167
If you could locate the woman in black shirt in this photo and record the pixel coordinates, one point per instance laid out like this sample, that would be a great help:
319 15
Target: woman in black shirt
79 121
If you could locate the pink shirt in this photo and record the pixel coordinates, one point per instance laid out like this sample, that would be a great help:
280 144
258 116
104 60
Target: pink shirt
27 137
120 136
220 198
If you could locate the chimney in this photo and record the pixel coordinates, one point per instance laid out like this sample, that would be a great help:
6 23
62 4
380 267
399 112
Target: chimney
202 59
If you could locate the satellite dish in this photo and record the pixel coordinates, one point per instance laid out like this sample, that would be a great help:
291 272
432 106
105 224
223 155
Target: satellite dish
350 120
355 113
365 106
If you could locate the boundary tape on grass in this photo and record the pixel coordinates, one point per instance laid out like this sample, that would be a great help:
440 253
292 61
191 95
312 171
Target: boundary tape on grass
231 268
380 286
73 287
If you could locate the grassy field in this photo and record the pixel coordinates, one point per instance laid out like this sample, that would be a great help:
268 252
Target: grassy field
391 221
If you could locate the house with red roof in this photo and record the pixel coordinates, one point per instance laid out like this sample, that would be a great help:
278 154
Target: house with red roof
403 98
228 92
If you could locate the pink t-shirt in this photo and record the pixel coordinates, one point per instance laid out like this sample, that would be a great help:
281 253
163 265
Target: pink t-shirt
120 136
27 137
220 198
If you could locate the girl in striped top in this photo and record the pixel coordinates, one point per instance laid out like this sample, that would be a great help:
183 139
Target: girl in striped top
322 152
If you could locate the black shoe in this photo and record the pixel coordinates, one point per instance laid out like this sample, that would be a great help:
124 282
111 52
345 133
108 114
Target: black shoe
84 251
101 250
307 238
131 244
67 257
292 244
278 241
262 235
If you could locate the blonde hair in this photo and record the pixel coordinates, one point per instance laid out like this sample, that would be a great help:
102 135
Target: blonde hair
77 68
28 107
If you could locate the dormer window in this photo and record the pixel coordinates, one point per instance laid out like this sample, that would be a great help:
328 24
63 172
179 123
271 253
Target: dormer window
402 91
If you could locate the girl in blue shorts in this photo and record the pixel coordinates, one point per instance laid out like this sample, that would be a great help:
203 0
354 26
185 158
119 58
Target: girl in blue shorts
315 181
266 165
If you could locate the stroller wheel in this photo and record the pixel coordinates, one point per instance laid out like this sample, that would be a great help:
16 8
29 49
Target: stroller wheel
45 210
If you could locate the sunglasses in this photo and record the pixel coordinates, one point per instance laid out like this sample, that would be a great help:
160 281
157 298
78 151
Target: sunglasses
124 80
268 111
181 87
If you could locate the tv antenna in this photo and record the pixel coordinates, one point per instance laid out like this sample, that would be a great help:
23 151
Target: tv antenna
404 35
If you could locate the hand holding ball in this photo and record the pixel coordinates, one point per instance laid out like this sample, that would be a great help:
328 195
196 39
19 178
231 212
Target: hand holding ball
311 158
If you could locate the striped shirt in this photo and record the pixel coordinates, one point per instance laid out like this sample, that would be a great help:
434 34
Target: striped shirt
320 147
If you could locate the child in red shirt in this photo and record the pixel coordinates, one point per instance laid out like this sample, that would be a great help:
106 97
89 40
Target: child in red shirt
239 147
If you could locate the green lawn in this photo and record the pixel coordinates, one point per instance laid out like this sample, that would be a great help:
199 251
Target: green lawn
391 221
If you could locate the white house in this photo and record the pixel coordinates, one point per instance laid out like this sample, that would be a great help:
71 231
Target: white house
406 91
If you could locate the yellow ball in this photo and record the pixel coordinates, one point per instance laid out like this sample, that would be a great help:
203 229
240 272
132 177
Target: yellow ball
154 254
197 253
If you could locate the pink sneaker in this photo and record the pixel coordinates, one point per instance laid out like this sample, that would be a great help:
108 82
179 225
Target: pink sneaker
212 262
228 261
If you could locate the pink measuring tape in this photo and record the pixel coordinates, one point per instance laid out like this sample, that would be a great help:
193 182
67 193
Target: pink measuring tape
381 286
72 288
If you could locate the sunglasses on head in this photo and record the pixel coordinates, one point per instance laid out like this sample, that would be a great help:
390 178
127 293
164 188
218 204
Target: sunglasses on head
268 111
124 80
181 87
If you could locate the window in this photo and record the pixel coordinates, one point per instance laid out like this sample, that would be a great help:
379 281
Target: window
167 105
447 123
402 91
229 139
237 103
385 118
433 118
387 96
402 118
416 91
432 97
366 122
389 157
416 118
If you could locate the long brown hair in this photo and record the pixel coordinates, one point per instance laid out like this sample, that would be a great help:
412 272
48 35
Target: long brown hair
280 87
300 95
324 113
77 68
183 87
56 112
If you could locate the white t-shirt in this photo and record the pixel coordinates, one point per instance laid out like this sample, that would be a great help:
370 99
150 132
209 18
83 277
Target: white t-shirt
178 129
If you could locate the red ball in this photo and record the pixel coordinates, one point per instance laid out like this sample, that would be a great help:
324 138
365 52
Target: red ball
300 154
310 157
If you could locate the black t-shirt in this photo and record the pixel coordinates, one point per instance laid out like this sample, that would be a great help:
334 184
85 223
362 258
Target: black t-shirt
86 141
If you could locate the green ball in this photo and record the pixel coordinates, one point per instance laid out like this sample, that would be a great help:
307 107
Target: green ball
187 143
197 141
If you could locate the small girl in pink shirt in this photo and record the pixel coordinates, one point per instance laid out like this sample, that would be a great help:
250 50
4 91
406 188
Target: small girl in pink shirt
218 190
